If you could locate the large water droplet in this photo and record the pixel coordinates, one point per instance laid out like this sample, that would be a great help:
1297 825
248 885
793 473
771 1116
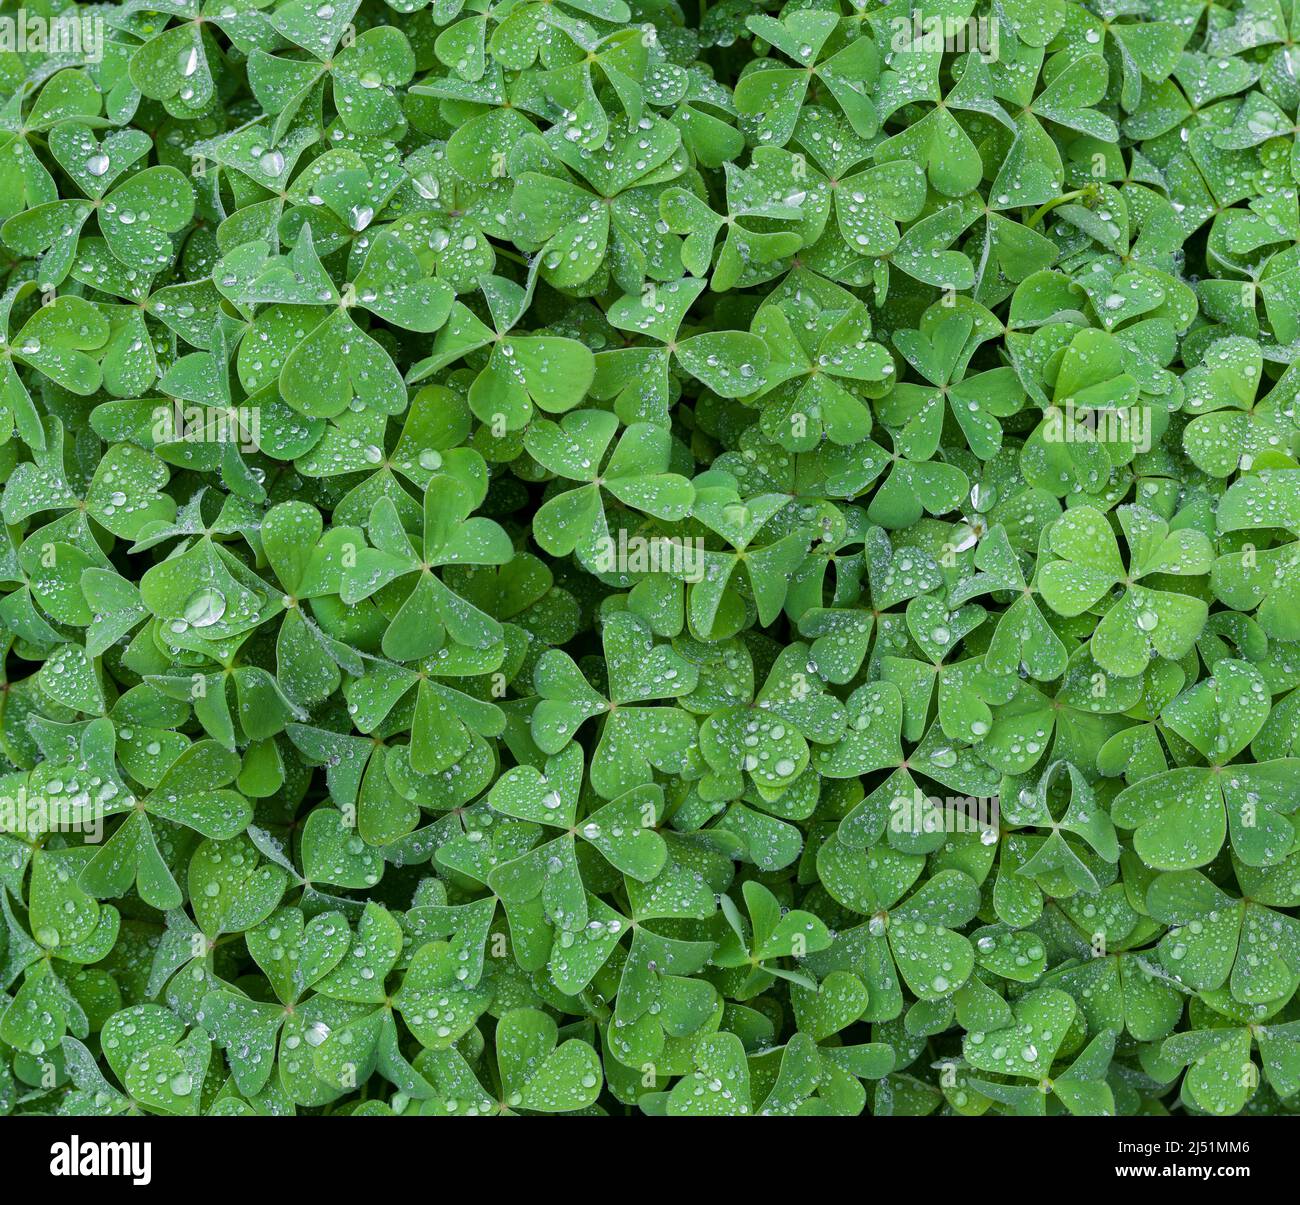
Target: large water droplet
205 607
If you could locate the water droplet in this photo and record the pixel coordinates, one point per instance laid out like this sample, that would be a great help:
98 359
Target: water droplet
205 607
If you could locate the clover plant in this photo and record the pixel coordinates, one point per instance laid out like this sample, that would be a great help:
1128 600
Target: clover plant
651 558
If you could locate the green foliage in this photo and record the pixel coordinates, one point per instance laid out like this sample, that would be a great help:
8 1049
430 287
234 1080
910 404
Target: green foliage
601 557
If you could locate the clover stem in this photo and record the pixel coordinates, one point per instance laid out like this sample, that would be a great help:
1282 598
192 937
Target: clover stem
507 254
1043 210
